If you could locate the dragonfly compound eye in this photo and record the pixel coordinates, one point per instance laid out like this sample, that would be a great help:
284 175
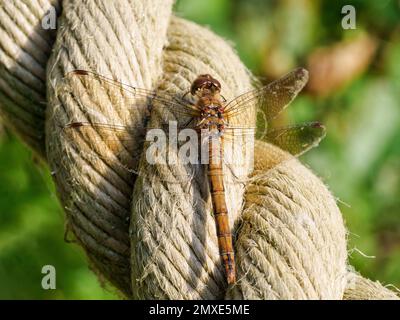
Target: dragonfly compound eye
204 81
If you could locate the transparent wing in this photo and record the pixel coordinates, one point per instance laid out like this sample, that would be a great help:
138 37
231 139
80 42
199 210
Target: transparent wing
114 145
130 96
121 148
106 105
230 132
271 99
297 139
267 156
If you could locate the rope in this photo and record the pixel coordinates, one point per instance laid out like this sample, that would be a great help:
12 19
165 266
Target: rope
24 51
152 235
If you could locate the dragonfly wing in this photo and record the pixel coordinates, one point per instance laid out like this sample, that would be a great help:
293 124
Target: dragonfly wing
120 148
297 139
267 156
109 119
272 98
239 131
115 146
128 96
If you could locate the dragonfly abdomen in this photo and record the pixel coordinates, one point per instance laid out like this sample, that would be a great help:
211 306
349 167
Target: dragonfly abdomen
217 190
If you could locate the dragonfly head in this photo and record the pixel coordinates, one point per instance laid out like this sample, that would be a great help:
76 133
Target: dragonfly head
205 84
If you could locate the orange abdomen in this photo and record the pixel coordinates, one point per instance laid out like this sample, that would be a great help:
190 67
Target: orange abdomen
220 210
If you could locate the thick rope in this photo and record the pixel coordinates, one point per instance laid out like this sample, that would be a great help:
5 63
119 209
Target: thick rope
97 195
161 241
360 288
24 51
292 232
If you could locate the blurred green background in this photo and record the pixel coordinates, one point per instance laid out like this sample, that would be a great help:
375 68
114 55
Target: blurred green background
354 89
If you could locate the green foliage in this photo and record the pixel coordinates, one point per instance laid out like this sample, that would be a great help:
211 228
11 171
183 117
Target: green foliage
32 234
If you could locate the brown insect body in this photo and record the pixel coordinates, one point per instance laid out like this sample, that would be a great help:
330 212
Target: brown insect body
207 89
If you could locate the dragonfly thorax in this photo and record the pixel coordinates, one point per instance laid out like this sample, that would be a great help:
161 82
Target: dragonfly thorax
211 112
212 118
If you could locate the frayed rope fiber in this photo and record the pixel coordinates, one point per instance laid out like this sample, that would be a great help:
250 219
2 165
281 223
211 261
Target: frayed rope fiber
150 238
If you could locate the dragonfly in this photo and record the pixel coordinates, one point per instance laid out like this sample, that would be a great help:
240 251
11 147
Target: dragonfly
206 111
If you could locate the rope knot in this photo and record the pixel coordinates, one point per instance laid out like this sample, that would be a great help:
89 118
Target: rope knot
151 238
